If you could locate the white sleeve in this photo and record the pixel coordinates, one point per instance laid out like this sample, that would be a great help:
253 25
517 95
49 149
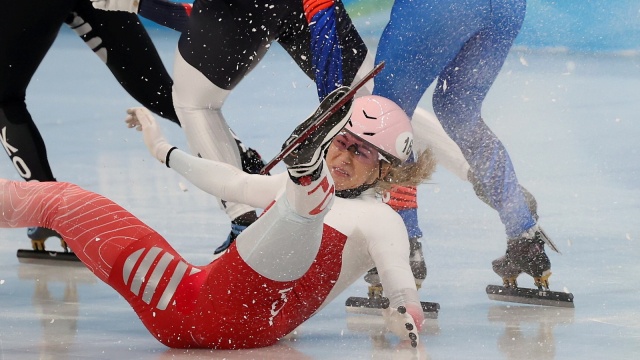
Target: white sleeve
225 181
389 248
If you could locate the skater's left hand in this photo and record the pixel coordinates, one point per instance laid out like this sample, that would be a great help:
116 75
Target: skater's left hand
402 324
131 6
142 119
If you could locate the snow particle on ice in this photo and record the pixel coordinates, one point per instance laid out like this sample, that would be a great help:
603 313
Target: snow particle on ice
182 186
523 61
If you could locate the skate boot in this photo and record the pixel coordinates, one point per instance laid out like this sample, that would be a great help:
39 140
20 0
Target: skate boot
525 254
237 226
39 235
417 263
251 160
375 286
303 160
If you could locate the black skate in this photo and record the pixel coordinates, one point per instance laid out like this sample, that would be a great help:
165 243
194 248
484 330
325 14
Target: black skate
238 225
329 106
375 302
38 236
526 255
251 160
304 158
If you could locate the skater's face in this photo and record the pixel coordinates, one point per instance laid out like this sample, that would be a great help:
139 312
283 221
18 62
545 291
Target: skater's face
352 162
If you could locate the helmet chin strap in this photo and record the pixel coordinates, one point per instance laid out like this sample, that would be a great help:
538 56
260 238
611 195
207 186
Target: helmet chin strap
356 191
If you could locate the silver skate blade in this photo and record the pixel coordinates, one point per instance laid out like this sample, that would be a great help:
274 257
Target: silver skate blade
48 257
530 296
548 241
366 306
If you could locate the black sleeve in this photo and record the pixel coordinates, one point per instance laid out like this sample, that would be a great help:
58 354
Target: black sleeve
166 13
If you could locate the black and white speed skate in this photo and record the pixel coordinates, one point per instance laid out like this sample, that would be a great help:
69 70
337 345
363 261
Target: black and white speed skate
526 254
329 106
304 158
38 236
375 301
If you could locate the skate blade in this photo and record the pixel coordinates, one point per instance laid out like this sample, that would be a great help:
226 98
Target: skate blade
366 306
48 257
530 296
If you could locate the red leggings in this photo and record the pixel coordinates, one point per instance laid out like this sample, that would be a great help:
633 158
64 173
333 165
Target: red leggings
225 304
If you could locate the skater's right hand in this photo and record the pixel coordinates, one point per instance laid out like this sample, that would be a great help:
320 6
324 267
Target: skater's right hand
131 6
403 323
142 119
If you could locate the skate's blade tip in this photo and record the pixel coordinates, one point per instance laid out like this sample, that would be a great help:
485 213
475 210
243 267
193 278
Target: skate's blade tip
530 296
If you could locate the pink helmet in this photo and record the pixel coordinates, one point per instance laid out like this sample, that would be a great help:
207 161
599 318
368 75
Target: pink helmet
383 124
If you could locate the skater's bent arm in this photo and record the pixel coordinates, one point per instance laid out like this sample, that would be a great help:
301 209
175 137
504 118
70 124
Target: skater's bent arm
388 246
225 181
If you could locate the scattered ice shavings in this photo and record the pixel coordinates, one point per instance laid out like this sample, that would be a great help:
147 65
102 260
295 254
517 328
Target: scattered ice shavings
628 236
182 186
52 320
569 242
1 281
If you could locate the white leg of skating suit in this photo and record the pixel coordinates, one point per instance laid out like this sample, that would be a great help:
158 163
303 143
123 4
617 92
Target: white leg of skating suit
427 131
285 240
198 103
429 134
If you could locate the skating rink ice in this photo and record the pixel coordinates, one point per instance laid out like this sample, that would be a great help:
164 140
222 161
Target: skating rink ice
570 122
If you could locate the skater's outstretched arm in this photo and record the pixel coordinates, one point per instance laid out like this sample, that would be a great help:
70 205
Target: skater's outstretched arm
219 179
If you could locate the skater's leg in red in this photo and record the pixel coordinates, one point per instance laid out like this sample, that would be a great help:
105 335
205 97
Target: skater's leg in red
94 227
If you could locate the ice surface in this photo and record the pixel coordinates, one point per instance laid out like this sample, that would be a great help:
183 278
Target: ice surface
570 123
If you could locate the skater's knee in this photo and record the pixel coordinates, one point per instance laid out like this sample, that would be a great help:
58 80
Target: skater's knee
193 90
13 111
